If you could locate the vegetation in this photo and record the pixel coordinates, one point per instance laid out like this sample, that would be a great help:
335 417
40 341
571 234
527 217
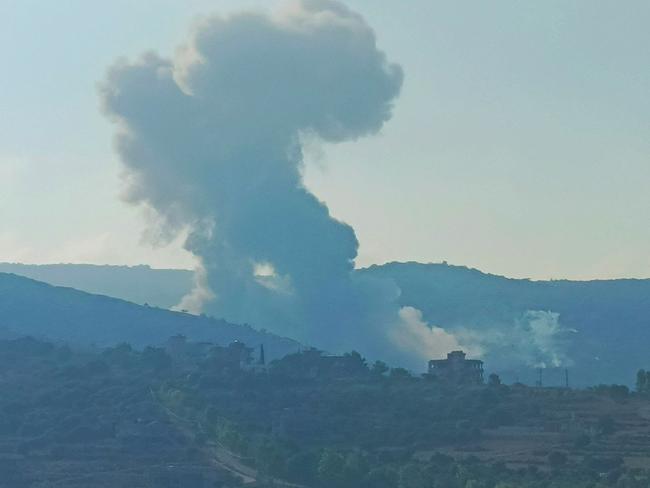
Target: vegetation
610 316
643 381
194 415
29 307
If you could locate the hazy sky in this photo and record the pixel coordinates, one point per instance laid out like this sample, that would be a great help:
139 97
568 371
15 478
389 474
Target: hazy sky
519 145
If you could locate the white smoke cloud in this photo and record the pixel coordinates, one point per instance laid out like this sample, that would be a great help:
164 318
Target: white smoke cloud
414 335
201 294
547 338
537 339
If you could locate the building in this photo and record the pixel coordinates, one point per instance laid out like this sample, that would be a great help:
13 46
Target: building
239 355
457 369
312 364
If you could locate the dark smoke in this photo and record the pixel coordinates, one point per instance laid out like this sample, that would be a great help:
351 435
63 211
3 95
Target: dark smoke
211 140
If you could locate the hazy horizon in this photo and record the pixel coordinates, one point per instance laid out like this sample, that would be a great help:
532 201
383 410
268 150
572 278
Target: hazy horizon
325 243
518 144
445 263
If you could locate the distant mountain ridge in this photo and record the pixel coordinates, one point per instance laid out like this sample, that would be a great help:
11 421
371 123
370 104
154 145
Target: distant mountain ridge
29 307
611 318
138 284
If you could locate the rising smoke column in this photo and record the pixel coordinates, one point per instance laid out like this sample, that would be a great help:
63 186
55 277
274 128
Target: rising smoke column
534 339
211 140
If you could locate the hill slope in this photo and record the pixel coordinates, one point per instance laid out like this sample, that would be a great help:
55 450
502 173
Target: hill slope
139 284
195 418
609 319
29 307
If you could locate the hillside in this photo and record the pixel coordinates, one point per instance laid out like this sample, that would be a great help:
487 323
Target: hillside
29 307
609 320
76 419
138 284
194 417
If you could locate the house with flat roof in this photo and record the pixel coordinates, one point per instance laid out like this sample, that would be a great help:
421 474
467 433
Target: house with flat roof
457 369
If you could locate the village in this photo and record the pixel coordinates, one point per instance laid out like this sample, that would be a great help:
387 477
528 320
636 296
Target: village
456 369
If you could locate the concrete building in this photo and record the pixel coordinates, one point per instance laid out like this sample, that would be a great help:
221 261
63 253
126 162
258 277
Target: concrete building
457 369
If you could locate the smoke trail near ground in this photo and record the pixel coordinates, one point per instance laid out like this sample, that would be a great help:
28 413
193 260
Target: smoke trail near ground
413 334
536 339
211 140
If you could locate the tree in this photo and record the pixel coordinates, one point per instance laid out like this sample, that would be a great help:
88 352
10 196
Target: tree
606 425
355 363
269 459
156 358
356 467
381 477
642 381
557 459
582 441
410 476
121 354
302 467
379 368
400 373
494 380
472 483
331 468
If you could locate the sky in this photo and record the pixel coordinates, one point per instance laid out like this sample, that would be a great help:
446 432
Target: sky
519 144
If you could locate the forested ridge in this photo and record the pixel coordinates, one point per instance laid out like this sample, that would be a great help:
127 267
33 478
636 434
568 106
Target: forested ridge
609 320
67 315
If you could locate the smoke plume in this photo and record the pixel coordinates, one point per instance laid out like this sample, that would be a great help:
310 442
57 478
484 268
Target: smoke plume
536 339
413 334
211 140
